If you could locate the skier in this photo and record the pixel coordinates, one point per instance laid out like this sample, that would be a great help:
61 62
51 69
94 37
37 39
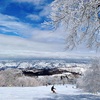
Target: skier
53 89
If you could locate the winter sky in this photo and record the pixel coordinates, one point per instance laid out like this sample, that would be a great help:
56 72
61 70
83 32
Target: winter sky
23 32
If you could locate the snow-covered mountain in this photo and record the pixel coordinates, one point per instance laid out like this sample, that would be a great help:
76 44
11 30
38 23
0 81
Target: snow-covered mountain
43 63
41 71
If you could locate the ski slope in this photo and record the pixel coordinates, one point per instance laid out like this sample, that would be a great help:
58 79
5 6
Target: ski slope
64 92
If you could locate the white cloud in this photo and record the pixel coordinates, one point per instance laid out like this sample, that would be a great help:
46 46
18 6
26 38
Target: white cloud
7 18
16 43
35 2
14 47
45 11
33 17
28 31
13 24
11 46
38 40
40 43
56 37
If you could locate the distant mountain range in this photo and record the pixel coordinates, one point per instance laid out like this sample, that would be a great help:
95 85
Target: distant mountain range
42 63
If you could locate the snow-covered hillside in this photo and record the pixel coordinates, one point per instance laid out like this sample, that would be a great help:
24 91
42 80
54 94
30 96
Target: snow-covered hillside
64 92
29 72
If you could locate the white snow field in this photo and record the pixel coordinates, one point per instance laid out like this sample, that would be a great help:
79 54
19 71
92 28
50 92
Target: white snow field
64 92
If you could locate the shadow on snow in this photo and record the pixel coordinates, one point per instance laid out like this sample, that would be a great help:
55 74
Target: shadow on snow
70 97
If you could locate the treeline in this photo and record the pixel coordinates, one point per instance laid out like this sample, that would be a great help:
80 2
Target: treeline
16 77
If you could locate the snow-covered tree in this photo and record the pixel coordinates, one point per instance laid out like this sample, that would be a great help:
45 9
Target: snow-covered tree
27 81
91 80
81 18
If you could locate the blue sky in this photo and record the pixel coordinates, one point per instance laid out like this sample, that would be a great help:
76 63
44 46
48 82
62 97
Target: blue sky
22 29
32 12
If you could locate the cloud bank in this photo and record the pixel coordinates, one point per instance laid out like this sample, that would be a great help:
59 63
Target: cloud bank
24 35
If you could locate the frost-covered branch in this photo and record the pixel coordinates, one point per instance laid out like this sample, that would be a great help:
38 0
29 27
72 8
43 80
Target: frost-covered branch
81 18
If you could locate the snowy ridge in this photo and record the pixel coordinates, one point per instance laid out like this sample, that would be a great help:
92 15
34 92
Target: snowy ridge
39 64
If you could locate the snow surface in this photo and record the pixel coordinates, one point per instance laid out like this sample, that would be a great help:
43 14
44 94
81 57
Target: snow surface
64 92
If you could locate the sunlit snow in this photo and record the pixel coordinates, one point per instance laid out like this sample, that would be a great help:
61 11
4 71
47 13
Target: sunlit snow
64 92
